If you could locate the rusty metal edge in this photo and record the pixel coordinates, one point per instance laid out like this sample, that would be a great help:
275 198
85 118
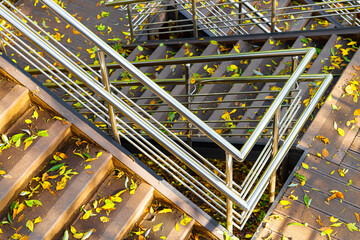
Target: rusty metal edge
120 154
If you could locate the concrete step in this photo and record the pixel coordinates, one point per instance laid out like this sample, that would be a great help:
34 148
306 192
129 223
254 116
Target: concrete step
19 165
14 100
128 207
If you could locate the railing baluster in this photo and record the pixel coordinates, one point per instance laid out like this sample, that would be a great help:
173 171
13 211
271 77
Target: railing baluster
273 15
130 23
229 184
105 80
274 152
355 14
193 2
188 99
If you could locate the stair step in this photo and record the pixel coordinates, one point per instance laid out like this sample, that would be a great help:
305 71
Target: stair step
163 222
14 100
58 206
20 165
123 215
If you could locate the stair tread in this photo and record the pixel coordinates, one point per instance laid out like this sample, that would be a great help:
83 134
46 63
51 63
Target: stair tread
58 206
19 165
163 224
113 184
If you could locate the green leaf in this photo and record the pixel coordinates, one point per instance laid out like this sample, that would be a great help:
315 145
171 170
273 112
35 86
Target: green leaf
56 167
213 42
42 133
140 48
298 224
307 200
87 234
31 203
304 40
226 236
352 227
66 235
332 51
300 177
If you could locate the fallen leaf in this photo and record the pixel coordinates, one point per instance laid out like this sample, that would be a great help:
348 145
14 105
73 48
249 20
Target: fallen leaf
157 227
356 67
285 203
341 132
357 217
30 225
325 153
357 112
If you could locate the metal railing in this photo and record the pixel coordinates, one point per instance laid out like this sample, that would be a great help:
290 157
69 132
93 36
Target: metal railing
112 105
230 17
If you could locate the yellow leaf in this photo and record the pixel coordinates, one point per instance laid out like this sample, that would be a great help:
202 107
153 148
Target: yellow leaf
61 185
348 89
249 235
177 227
38 220
104 219
341 132
157 227
185 220
332 219
357 112
166 210
285 203
75 32
87 215
324 139
2 172
304 165
30 225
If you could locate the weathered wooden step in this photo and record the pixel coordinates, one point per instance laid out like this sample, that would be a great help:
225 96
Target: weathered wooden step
129 198
19 165
163 222
65 182
14 100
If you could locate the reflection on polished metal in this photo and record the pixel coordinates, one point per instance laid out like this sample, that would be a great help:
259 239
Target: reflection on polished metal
134 123
214 19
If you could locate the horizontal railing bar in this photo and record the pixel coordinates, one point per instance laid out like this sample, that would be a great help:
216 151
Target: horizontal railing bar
313 5
157 134
314 10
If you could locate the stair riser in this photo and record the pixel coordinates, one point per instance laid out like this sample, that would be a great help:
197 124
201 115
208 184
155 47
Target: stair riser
12 106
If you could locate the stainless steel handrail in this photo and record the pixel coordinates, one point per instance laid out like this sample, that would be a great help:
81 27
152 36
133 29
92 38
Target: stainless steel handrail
156 134
234 193
220 141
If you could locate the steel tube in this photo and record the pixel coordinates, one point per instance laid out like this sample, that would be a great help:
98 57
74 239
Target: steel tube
261 185
229 184
105 80
160 137
245 150
273 154
166 97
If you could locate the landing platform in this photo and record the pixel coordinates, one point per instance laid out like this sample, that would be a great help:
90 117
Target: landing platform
306 207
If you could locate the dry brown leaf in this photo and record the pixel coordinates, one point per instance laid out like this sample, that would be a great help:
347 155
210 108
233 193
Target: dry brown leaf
325 153
319 221
356 67
357 217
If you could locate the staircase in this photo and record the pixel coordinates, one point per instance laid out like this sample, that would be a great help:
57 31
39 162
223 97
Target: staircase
214 89
149 20
61 185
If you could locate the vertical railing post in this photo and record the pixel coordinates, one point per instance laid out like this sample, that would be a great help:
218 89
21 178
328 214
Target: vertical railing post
273 15
295 61
193 2
105 80
2 46
130 22
355 14
188 99
241 16
274 152
229 184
